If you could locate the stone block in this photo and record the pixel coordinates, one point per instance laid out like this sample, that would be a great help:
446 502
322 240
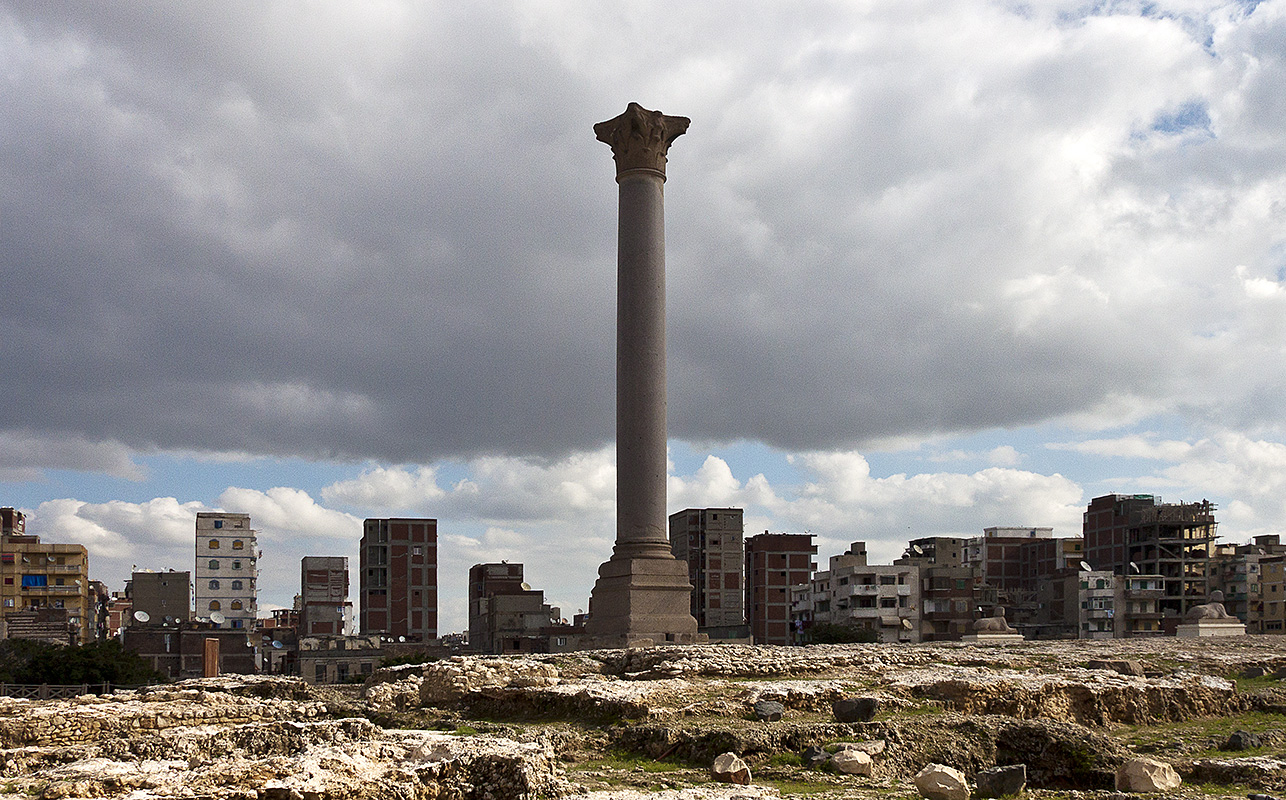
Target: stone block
940 782
1001 781
729 768
1146 775
852 762
855 709
768 710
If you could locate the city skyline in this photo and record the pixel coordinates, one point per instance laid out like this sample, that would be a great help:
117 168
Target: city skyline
932 269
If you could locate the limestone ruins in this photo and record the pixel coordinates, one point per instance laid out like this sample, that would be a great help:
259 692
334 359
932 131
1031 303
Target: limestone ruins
651 723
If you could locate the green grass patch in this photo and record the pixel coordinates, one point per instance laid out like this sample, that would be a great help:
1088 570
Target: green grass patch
622 761
1198 738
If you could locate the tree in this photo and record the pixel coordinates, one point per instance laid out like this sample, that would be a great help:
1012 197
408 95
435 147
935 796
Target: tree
97 662
831 633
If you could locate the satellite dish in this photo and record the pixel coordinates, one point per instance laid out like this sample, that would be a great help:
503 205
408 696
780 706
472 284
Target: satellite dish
168 620
142 616
1134 567
906 623
1086 567
277 645
217 618
401 638
526 587
919 551
249 643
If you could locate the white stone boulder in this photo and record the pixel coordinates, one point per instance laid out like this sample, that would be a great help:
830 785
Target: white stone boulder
940 782
729 768
852 762
1146 775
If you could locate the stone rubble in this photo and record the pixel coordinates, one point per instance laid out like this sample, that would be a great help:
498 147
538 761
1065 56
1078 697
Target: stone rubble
1051 706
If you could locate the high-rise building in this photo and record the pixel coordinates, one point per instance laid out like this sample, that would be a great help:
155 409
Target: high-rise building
325 609
1138 534
44 588
399 578
227 570
710 541
774 563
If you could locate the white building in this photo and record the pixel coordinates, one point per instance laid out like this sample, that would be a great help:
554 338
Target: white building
1097 597
884 599
225 581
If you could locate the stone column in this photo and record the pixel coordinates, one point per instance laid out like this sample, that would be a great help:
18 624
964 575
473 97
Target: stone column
642 592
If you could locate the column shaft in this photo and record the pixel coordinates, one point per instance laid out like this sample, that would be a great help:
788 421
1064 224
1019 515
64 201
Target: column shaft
640 368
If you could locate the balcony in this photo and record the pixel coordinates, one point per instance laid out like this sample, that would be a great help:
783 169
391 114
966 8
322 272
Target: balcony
864 589
73 589
1144 594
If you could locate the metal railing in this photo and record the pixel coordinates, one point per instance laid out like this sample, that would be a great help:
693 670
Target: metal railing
54 691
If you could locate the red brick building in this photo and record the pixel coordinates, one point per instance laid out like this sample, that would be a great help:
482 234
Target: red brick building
774 563
399 578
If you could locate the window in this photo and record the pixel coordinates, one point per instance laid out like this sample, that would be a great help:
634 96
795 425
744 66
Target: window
238 623
236 605
236 584
319 673
215 605
8 602
214 584
237 544
236 565
214 563
417 550
214 544
218 523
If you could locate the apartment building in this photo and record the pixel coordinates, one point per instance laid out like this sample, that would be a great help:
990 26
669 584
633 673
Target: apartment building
324 607
162 597
1139 534
399 578
505 614
776 562
44 588
709 540
882 599
225 581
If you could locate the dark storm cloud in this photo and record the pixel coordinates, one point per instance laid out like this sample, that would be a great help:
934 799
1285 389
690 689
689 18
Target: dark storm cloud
386 231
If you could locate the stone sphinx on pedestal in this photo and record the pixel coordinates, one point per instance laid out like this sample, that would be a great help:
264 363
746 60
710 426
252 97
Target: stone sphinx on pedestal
993 630
1210 619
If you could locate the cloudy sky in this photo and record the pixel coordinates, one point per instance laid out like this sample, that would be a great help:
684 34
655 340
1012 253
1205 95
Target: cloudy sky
933 266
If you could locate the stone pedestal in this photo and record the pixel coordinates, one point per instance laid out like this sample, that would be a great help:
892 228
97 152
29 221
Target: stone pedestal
642 595
992 638
1202 628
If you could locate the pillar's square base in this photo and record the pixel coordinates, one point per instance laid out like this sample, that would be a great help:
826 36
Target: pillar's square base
639 602
1208 627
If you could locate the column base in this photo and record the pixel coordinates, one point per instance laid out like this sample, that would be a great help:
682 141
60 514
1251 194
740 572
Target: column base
641 602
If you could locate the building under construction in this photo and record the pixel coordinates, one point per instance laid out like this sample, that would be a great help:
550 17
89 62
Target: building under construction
1133 534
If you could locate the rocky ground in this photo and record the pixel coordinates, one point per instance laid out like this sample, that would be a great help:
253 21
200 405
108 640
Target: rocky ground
629 725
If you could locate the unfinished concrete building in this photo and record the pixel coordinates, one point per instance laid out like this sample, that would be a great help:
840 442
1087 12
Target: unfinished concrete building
1138 534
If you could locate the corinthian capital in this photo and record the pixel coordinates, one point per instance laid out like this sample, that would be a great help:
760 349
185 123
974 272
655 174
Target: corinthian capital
640 138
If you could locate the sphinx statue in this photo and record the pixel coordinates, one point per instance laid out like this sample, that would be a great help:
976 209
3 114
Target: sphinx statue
995 623
1213 609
